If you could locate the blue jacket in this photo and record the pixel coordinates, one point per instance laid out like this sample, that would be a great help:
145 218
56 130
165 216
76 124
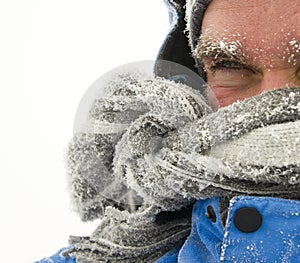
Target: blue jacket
258 229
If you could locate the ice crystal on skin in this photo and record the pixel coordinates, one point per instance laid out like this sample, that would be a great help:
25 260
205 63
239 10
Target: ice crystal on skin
294 52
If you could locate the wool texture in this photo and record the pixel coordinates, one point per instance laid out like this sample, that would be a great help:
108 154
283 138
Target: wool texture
157 147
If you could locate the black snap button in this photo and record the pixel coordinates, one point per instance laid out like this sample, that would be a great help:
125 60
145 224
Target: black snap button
247 219
211 214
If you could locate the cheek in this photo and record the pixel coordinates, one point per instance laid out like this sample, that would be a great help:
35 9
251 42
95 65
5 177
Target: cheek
213 101
219 97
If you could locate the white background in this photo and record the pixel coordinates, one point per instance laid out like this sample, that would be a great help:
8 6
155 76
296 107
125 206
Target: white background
50 53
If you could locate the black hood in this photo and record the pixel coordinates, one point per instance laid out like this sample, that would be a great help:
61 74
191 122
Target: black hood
186 19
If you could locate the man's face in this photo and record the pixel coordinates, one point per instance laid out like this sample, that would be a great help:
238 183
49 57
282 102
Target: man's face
248 47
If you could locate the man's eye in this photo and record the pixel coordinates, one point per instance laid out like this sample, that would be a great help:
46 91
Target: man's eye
232 74
230 66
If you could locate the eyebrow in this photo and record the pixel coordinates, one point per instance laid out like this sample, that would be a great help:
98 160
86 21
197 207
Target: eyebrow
210 51
218 50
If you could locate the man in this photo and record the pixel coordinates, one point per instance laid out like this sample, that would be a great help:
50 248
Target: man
255 44
243 49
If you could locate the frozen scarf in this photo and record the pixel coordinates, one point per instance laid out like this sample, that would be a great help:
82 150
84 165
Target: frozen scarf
155 147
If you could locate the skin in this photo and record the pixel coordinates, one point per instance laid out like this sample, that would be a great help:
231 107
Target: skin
248 47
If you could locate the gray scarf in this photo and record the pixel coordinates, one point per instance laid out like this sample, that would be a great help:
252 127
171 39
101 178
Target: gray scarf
155 146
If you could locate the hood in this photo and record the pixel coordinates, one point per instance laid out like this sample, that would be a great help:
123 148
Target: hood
185 20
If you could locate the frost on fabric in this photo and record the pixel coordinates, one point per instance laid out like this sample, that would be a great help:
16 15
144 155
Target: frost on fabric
169 148
186 167
145 110
129 237
155 145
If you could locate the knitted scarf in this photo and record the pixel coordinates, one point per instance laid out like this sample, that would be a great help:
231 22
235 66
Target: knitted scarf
155 147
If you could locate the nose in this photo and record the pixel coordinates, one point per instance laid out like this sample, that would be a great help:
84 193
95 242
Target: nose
277 79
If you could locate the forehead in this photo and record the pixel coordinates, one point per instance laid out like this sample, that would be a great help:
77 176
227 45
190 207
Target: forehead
249 14
260 26
263 16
